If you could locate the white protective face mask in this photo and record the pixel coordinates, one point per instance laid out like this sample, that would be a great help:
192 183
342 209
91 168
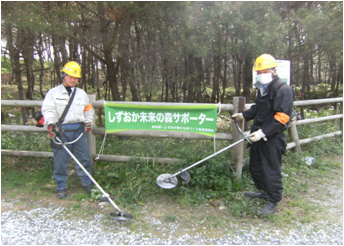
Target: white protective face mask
264 78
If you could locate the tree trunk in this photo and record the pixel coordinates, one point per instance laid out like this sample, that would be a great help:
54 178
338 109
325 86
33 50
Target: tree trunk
48 47
339 81
319 66
97 81
62 41
190 79
57 62
73 47
248 64
173 91
100 111
224 80
28 61
128 68
111 73
165 79
310 75
27 52
238 77
297 74
124 76
184 80
92 70
15 49
200 78
216 78
112 68
333 75
305 81
40 49
83 69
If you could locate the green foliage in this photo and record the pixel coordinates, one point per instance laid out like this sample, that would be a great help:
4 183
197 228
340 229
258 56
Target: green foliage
6 67
25 141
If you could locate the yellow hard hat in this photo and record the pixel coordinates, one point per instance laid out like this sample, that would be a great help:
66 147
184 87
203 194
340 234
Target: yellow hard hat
72 68
264 61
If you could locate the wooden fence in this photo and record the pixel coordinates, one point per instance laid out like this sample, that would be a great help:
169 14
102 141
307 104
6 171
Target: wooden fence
236 152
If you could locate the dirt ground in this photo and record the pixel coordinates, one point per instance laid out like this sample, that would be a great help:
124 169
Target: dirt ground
324 200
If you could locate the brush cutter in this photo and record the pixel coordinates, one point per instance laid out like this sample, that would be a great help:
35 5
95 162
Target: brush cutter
117 216
168 181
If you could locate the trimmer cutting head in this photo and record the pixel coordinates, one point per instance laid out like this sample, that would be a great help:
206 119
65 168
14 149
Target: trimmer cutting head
121 216
166 181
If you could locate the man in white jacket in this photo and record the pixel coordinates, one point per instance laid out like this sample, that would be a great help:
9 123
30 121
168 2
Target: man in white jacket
77 120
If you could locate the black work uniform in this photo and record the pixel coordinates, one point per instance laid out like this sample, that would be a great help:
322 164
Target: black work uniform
270 114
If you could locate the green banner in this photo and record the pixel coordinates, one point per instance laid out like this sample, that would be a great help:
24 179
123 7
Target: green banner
195 118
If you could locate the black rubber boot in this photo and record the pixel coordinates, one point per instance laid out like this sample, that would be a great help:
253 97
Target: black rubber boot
257 194
88 188
62 194
269 208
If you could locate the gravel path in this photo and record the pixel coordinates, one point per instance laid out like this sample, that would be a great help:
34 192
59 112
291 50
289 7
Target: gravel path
51 226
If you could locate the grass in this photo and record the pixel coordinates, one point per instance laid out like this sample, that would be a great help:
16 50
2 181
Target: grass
214 176
170 218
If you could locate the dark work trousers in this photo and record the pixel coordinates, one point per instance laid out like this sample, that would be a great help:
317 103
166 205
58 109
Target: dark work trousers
79 149
266 165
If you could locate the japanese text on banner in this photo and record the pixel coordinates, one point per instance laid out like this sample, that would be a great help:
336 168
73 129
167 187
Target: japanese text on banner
196 118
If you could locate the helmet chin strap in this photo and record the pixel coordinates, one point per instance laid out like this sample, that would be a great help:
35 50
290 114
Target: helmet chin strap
273 71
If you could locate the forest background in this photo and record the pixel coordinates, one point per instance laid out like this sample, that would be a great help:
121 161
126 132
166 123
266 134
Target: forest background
200 52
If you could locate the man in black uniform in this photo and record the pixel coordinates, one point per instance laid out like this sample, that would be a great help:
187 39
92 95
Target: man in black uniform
270 115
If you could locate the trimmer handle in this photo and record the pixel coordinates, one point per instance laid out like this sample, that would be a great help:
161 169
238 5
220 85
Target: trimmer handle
239 129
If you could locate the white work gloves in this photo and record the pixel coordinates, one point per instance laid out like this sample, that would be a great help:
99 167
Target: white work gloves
256 136
238 116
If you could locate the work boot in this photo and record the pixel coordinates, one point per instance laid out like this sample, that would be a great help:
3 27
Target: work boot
257 194
269 208
62 194
88 188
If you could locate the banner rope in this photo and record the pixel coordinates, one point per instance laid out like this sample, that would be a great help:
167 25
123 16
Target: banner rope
101 148
219 106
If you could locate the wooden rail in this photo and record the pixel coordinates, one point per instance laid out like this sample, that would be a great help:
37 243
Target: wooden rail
236 153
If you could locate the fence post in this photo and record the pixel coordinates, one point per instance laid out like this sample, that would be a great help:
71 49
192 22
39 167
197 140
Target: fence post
91 139
238 150
294 137
337 112
341 111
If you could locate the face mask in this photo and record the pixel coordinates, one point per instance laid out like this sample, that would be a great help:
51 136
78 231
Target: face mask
264 78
